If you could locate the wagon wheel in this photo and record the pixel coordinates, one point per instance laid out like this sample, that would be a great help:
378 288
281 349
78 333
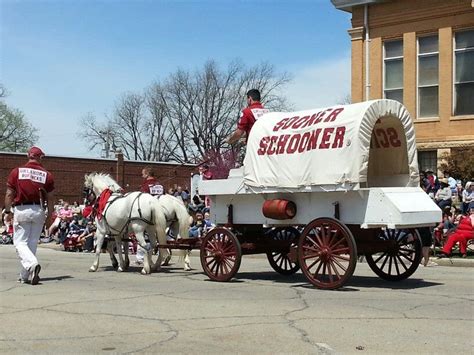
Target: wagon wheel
402 260
280 261
220 254
327 253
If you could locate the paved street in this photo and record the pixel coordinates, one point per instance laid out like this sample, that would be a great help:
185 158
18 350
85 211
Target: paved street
74 311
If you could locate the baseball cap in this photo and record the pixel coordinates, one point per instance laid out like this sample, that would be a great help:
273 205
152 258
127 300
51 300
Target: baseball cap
35 152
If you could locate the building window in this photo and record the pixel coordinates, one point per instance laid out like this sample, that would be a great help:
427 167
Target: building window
464 73
428 160
428 76
393 70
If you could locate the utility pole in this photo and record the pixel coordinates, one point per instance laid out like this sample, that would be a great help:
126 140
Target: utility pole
106 149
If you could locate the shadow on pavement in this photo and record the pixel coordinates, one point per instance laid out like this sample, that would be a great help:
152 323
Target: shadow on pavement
353 284
56 278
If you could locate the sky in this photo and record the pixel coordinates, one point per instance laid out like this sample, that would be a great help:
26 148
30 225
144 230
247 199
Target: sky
63 59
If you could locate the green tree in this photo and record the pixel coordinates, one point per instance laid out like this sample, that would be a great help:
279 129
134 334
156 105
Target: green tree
460 163
16 133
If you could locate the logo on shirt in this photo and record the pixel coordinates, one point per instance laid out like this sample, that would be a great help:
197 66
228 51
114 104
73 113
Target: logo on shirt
156 190
32 174
259 112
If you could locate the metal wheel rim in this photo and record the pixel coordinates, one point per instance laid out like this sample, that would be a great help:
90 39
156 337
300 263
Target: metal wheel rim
402 264
327 253
220 254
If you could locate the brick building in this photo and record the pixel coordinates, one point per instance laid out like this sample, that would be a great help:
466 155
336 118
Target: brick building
421 53
69 173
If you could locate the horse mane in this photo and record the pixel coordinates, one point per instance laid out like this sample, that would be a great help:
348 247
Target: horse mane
106 181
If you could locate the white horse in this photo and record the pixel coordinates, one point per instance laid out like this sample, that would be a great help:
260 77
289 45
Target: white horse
135 212
178 220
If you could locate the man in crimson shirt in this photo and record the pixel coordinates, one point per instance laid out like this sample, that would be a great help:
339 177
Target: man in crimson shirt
28 187
150 185
248 116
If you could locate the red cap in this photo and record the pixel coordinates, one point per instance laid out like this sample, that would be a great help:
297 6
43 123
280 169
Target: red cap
35 153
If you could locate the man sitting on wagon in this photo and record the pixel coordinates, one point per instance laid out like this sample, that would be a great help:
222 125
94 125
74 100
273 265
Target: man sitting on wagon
248 116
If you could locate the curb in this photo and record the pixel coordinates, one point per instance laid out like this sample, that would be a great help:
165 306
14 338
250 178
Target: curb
459 262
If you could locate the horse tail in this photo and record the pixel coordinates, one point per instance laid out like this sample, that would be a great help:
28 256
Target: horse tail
184 219
159 221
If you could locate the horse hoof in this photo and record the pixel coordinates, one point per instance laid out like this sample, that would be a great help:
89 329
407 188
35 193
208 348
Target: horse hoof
143 272
187 268
92 269
119 269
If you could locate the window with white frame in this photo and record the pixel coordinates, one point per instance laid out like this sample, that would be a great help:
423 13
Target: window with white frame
464 73
427 160
428 76
393 70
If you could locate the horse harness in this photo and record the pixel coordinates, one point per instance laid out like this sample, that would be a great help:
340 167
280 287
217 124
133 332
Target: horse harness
98 213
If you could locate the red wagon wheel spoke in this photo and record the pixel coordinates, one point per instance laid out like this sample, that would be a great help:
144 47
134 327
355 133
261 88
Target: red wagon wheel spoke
320 264
342 267
341 240
345 250
220 254
327 253
314 263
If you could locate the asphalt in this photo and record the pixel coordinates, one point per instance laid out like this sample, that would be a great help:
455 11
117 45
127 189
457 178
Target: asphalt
455 261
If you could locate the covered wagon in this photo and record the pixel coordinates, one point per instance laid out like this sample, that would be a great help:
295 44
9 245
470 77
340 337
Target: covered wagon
318 188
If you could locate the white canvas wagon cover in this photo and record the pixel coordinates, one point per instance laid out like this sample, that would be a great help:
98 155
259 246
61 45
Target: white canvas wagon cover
332 146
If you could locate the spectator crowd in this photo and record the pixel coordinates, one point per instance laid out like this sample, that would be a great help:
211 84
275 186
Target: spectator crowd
456 202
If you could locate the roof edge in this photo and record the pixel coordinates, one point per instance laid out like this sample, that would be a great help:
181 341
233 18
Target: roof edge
347 5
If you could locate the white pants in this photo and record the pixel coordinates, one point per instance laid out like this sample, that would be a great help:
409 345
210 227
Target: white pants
28 221
141 253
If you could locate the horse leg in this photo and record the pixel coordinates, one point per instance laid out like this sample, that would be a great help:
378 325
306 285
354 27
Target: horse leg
110 249
118 243
184 254
153 245
98 247
187 260
146 247
125 251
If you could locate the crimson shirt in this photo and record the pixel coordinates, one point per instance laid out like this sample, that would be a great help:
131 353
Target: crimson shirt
27 180
249 115
151 186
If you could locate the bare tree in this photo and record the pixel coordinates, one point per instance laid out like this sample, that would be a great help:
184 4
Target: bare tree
345 100
188 114
204 106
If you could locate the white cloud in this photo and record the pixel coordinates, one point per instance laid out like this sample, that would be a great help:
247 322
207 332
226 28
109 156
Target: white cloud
321 84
